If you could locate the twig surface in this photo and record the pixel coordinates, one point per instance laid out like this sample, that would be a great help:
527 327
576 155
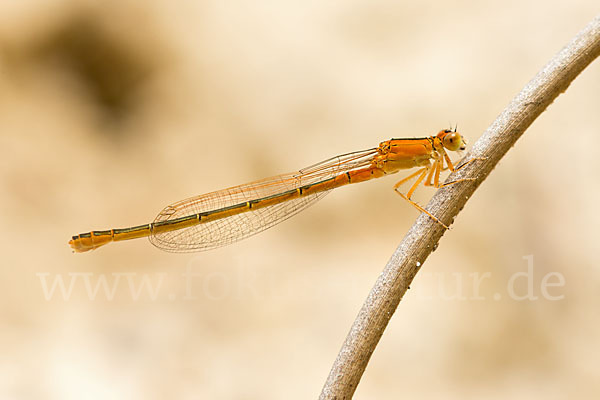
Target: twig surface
425 234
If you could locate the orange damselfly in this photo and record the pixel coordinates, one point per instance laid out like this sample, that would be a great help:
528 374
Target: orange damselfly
220 218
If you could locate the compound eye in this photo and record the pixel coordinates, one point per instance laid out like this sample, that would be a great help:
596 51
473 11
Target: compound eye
452 141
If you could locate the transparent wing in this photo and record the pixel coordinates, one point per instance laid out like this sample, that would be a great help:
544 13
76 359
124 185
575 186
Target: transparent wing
221 232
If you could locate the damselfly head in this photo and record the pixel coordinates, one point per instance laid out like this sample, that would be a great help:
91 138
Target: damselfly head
452 140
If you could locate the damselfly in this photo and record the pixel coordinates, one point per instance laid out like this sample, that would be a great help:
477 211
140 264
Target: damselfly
220 218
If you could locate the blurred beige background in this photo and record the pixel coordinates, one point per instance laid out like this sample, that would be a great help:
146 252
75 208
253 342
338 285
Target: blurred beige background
111 110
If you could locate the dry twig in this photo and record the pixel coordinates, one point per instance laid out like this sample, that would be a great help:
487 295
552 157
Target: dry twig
425 234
